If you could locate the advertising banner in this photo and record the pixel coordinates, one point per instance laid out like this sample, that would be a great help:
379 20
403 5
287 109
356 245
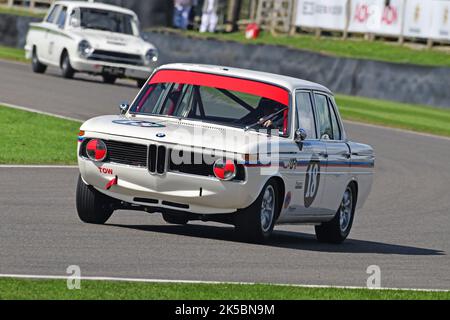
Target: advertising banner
377 16
324 14
418 18
440 24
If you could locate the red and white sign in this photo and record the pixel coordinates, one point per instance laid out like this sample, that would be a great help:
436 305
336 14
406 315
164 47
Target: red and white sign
374 16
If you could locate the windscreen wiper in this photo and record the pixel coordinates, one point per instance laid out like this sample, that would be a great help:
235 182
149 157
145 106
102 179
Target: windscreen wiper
264 119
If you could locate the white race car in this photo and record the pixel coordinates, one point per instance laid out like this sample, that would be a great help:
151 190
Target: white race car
92 38
229 145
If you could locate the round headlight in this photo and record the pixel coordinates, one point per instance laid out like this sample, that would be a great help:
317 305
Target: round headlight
224 169
151 55
84 48
96 150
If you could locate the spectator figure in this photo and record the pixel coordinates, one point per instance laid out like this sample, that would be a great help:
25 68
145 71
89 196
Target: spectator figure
210 15
181 13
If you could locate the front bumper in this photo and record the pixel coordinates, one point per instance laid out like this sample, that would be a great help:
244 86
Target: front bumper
96 67
172 191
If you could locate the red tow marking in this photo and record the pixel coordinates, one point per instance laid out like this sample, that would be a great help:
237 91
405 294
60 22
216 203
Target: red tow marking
113 182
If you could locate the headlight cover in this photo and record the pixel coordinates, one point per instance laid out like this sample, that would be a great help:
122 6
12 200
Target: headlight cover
96 150
224 169
151 56
84 48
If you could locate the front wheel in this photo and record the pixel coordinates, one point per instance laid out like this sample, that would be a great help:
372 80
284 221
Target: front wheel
338 229
109 79
66 68
92 206
256 222
140 82
36 65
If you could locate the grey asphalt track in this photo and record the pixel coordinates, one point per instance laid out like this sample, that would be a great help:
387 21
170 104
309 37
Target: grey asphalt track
404 227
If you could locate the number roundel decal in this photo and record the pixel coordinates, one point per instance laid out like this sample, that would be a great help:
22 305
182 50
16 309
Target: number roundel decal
312 181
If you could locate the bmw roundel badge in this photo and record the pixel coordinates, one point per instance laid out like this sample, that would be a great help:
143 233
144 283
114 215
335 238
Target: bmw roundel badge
160 135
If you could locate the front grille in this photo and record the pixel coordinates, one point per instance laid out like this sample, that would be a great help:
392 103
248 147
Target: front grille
127 153
116 57
157 156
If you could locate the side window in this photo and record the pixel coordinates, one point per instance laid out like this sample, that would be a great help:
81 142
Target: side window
334 120
323 116
62 17
305 114
52 15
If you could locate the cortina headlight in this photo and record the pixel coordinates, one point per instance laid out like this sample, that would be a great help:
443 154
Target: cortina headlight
84 48
151 56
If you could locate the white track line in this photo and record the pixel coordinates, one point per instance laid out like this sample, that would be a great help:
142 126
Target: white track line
47 277
429 135
13 166
13 106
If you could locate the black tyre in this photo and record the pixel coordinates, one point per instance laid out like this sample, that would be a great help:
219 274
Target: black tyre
36 65
66 68
256 222
92 206
141 82
109 79
338 229
175 218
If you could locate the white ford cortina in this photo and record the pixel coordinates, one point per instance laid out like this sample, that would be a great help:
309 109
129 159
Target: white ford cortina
93 38
236 146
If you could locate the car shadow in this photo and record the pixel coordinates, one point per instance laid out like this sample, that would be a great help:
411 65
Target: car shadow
286 240
96 81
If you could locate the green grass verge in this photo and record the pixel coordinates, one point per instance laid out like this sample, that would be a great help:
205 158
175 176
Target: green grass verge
57 289
351 48
14 54
397 115
32 138
21 12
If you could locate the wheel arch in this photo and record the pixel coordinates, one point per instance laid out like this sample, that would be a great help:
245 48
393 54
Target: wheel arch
281 190
354 184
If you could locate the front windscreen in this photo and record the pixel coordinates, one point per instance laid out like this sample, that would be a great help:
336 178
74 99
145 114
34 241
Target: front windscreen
106 20
215 99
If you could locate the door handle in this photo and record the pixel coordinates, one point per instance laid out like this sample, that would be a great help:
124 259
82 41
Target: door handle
323 154
347 155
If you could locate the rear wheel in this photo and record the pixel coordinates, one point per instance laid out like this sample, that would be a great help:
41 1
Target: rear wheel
92 206
175 218
338 229
66 68
36 65
109 79
256 222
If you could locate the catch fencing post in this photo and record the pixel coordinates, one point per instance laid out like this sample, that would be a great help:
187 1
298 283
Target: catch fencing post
348 12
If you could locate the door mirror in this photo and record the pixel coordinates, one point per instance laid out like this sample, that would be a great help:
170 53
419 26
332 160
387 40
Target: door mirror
300 135
123 107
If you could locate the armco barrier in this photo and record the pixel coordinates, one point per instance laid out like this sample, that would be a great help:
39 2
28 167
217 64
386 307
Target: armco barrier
13 29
